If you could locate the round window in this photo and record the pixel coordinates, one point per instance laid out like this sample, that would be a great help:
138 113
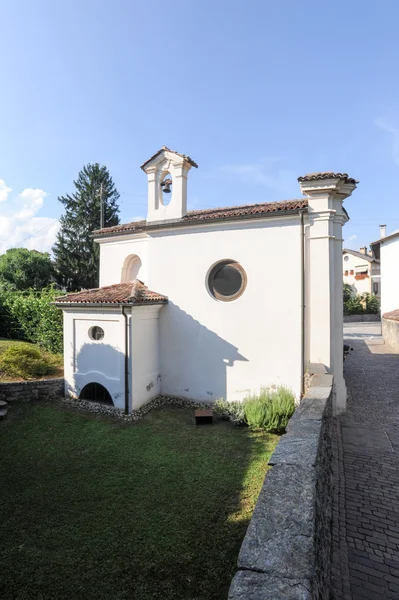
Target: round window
227 280
96 333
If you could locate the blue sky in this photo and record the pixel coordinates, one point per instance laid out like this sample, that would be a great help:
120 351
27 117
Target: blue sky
257 92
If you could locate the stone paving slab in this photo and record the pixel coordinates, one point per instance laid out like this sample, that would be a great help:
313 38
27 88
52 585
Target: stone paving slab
366 478
353 435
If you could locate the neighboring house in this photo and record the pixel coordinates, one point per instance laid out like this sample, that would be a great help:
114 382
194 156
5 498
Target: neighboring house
361 271
386 249
216 324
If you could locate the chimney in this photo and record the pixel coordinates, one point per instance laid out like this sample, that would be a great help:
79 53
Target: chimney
363 250
383 231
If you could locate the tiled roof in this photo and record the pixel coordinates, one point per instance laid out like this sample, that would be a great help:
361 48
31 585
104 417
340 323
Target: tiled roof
132 292
327 175
387 237
359 254
392 316
188 159
214 214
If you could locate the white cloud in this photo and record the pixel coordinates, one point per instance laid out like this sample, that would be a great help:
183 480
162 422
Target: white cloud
394 133
350 242
19 225
264 173
4 191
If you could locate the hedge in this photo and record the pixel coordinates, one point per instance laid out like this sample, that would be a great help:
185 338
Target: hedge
31 316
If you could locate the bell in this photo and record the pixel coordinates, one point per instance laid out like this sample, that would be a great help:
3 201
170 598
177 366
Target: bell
165 185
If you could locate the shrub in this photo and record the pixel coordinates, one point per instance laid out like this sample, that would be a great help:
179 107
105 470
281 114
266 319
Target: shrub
371 303
31 316
26 361
270 410
231 411
353 306
347 292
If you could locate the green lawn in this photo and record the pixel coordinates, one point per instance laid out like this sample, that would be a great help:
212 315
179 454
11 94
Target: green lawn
94 509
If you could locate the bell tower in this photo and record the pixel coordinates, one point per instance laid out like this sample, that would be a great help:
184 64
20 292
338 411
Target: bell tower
167 173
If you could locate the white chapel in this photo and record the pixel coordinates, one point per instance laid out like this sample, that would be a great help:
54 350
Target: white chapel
212 303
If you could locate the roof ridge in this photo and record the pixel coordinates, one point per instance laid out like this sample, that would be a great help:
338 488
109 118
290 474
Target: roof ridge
194 216
360 254
238 206
126 292
327 175
166 149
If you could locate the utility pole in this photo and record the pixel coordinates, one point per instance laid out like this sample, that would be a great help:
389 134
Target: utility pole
101 207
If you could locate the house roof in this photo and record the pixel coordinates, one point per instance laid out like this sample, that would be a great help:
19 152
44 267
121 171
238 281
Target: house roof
377 244
132 292
165 148
359 254
193 217
327 175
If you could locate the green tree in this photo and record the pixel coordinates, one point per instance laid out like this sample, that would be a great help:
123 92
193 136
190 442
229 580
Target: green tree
22 269
76 255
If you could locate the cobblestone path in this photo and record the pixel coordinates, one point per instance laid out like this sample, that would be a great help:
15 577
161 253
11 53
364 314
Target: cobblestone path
365 561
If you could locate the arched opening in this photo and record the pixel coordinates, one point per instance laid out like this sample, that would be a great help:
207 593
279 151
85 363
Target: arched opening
166 188
95 392
131 268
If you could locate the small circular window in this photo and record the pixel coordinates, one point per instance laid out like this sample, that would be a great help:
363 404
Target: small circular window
227 280
96 333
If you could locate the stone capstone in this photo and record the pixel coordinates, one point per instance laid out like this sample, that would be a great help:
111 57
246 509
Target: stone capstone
247 585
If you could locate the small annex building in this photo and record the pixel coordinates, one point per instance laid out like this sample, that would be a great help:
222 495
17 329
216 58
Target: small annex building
189 304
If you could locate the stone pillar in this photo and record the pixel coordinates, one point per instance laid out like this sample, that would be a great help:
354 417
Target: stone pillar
326 192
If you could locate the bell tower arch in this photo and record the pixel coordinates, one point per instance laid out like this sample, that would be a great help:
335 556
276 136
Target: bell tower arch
167 173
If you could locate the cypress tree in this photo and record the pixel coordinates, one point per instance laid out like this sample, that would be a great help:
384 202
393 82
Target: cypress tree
75 253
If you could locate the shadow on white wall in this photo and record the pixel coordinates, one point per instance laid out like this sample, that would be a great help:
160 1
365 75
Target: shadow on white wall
194 359
100 364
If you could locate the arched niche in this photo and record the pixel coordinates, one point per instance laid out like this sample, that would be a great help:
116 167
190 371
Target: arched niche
95 392
131 268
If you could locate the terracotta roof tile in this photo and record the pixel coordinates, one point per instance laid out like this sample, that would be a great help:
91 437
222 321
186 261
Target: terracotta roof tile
132 292
188 159
392 316
214 214
327 175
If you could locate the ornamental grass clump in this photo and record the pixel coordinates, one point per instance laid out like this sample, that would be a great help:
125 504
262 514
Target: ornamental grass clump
270 410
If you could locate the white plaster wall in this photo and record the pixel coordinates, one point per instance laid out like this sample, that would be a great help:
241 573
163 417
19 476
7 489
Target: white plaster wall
86 360
113 254
211 349
145 378
353 263
389 275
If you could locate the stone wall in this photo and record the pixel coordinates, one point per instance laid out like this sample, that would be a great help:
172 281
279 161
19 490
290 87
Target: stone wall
361 318
390 330
286 551
24 391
